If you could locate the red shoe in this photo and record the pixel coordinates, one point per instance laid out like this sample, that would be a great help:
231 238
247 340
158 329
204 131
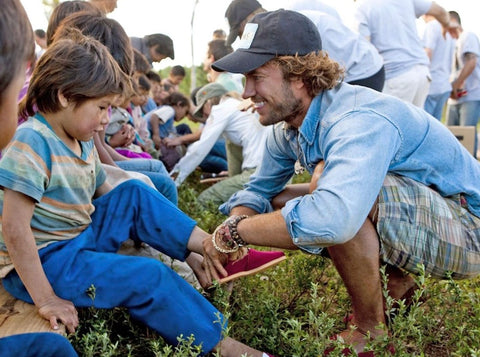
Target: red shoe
253 262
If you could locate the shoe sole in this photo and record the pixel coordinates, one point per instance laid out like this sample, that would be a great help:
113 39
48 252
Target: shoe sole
213 179
253 271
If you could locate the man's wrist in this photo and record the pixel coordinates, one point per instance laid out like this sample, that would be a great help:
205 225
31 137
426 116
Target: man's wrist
226 238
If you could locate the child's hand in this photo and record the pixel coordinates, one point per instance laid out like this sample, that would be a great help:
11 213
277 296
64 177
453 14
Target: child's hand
56 309
123 137
171 142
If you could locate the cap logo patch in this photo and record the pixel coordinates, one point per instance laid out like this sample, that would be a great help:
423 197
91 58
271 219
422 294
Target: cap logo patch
248 35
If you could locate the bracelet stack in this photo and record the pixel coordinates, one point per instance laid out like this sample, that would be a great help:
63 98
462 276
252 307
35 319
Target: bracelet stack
226 239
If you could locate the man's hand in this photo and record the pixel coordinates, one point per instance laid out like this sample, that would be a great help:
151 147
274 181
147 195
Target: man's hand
56 309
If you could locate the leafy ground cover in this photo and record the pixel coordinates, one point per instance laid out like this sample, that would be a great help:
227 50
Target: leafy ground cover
293 309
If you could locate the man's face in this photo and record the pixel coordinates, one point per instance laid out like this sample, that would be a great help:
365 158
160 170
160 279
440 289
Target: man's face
274 98
207 62
156 57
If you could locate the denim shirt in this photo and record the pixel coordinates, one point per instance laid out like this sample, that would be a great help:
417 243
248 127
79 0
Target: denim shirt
361 135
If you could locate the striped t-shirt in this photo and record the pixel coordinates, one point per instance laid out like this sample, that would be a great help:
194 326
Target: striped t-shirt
38 164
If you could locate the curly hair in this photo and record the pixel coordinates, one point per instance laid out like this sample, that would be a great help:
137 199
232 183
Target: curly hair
317 71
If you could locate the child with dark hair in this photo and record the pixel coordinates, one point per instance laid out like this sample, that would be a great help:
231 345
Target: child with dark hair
140 63
161 124
110 33
64 9
17 52
175 77
62 223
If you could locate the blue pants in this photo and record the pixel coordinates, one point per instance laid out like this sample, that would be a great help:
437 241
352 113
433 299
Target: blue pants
465 114
44 344
434 104
152 292
156 171
216 159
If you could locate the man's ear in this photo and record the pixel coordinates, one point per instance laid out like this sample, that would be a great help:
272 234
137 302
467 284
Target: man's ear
297 82
63 101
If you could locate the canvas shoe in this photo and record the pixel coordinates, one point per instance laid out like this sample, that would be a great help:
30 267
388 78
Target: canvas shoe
253 262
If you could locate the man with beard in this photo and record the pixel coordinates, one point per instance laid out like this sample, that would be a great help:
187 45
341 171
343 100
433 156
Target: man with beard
388 194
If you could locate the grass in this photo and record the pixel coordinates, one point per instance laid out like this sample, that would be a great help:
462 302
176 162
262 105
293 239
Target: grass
293 309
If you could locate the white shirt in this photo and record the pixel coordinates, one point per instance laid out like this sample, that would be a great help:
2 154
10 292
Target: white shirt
390 25
240 127
442 56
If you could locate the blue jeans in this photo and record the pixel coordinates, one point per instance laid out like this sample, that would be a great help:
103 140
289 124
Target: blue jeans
156 171
465 114
216 160
434 104
45 344
152 292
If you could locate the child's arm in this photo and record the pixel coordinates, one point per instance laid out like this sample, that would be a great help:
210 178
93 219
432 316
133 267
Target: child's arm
103 189
154 123
17 214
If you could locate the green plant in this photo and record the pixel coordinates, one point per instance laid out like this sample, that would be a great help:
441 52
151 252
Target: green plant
294 308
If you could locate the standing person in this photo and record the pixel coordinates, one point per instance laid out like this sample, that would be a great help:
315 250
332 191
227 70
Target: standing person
15 29
155 47
464 104
62 224
389 193
362 62
440 48
390 26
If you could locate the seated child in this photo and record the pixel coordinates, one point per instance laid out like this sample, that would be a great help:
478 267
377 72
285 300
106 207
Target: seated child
62 223
15 29
161 123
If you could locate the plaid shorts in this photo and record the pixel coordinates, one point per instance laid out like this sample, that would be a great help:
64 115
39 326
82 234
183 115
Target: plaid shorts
416 225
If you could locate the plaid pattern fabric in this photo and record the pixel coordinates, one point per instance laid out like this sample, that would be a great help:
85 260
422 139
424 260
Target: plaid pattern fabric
416 225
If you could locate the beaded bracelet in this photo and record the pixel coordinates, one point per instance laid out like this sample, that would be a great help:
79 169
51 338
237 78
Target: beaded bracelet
231 245
230 239
232 222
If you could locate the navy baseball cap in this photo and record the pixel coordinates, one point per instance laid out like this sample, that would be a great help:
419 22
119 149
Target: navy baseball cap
270 34
236 13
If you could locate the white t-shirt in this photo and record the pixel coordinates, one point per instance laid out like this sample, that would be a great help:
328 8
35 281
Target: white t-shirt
242 128
442 56
390 25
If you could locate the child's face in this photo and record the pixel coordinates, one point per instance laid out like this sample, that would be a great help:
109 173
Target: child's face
141 98
158 93
88 118
9 108
180 111
176 79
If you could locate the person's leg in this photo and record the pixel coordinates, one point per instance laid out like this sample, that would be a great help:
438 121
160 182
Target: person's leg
453 114
221 191
422 82
157 173
216 159
434 104
469 115
358 263
234 158
44 344
411 86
